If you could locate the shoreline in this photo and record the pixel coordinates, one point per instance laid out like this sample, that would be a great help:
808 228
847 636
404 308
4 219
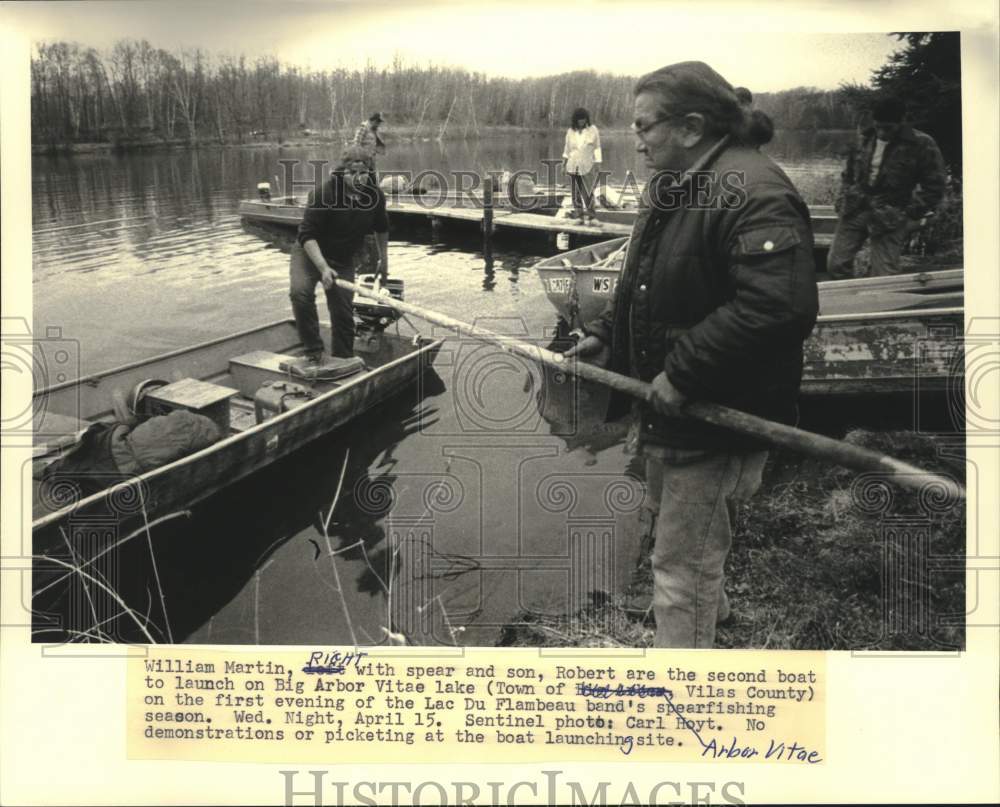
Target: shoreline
401 134
407 134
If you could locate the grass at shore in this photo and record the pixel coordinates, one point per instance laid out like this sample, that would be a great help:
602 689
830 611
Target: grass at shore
811 565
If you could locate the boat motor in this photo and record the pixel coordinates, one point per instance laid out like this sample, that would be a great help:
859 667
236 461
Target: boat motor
371 317
371 314
264 191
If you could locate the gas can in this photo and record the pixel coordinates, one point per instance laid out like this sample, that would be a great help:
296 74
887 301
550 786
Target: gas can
276 397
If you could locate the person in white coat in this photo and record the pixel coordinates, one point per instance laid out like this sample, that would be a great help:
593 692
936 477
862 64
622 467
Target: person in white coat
581 161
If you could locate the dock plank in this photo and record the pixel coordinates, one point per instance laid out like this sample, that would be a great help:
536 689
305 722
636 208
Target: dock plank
535 221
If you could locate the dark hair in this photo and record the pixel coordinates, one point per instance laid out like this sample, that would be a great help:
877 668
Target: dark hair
375 117
759 129
688 87
579 114
888 110
353 154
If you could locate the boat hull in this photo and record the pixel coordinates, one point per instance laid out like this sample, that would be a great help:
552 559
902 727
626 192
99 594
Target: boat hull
900 334
896 352
186 481
579 284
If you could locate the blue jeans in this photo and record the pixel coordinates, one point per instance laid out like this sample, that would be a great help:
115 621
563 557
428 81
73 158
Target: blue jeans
852 231
696 493
304 276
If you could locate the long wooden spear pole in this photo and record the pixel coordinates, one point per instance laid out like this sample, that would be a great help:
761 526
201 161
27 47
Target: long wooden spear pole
778 434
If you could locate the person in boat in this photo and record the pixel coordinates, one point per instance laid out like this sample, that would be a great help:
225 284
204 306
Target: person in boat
368 138
760 129
581 161
331 237
894 181
716 297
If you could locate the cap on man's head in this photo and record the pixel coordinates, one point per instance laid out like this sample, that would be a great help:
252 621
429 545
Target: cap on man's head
376 117
888 110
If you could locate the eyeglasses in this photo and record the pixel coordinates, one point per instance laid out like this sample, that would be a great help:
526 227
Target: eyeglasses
640 131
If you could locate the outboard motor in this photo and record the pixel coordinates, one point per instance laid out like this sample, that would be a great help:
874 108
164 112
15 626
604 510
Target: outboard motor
371 317
264 191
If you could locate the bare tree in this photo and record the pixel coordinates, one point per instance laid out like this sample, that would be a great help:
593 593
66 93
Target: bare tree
80 93
186 84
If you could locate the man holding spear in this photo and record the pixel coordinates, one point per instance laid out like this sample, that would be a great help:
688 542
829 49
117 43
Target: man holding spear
717 295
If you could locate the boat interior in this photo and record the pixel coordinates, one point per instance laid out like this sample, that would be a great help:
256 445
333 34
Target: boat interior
237 381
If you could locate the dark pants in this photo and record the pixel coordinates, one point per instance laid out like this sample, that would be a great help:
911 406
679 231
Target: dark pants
852 231
582 189
303 279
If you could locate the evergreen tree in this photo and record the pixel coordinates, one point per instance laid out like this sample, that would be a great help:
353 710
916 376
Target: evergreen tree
927 75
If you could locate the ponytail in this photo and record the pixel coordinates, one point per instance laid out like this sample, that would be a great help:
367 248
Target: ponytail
755 129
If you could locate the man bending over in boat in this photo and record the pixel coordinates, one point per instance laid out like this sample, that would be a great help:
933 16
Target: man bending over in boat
349 206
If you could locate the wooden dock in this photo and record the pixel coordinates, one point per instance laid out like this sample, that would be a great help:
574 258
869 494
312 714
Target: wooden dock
506 218
288 213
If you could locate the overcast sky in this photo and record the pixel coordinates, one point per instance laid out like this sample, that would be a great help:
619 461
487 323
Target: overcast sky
515 38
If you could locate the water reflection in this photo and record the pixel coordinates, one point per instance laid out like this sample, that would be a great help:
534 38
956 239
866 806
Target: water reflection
253 563
489 277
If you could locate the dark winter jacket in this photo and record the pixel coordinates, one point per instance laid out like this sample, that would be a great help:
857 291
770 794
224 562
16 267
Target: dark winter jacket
721 295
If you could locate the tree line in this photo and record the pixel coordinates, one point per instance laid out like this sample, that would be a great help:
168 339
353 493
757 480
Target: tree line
926 73
135 90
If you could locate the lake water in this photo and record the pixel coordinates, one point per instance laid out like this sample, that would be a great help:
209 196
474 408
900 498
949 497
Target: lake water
503 476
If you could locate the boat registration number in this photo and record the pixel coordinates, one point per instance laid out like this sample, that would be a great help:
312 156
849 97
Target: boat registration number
605 285
558 285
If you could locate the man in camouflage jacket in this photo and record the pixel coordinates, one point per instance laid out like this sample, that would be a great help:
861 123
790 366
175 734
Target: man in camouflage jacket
894 180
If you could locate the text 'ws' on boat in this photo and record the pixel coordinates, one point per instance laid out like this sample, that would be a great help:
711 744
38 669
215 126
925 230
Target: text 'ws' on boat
254 392
580 283
873 335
